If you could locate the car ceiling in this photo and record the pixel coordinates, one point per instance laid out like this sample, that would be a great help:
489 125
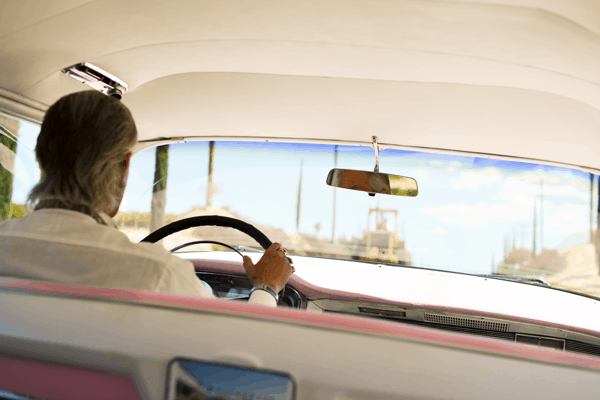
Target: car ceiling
514 78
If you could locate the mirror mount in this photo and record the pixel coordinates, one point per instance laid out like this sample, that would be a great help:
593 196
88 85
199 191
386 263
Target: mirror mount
375 146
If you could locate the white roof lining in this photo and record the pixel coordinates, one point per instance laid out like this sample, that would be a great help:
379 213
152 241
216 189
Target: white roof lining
47 17
541 6
549 6
300 107
324 33
549 47
547 11
583 103
476 70
336 44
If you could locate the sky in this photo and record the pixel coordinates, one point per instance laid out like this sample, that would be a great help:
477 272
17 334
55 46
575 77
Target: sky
464 210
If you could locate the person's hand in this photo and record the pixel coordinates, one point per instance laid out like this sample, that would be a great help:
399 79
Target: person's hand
273 269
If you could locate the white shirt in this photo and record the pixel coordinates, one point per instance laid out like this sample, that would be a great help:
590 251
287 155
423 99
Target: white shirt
65 246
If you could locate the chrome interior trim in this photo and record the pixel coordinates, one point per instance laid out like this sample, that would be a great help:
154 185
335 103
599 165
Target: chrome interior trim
298 295
296 299
20 107
558 344
574 341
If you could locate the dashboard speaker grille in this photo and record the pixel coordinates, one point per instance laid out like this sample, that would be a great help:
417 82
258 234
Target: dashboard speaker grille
466 322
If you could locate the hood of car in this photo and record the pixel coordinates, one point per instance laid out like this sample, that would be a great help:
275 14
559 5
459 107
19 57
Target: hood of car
500 78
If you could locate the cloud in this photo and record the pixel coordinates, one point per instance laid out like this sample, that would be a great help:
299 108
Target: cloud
474 180
475 215
436 231
566 218
562 190
421 175
448 165
554 179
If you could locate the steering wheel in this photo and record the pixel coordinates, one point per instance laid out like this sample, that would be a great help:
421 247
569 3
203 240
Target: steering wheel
210 220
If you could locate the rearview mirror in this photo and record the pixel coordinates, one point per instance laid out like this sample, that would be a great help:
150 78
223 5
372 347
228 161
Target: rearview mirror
373 182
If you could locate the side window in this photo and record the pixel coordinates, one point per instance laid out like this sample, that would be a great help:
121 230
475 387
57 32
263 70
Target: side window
19 171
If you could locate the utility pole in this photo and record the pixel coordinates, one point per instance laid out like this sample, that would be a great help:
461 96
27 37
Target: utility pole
335 159
209 187
534 225
299 197
597 241
591 207
514 238
541 215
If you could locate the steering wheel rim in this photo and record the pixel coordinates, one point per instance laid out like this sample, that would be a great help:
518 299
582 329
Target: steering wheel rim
212 220
209 220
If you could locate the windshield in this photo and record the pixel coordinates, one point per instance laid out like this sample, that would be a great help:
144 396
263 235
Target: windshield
472 215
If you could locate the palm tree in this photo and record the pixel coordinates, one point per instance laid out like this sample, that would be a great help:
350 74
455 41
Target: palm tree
159 190
9 133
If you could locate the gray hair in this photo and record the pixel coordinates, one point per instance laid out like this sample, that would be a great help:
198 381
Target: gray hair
81 150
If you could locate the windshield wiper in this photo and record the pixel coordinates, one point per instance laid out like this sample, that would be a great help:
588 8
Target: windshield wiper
537 280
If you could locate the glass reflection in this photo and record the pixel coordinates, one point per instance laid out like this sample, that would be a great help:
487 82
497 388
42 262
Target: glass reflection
372 182
201 380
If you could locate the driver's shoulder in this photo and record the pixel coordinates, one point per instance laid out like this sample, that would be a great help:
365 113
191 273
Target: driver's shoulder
158 252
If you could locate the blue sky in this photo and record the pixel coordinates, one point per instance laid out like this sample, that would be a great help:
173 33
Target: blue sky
464 209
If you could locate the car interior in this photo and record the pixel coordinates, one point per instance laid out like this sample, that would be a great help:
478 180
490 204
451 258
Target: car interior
411 87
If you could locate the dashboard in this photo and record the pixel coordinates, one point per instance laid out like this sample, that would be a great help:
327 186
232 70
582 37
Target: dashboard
236 287
129 344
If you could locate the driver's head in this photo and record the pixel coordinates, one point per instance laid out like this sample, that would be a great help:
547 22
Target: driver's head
83 150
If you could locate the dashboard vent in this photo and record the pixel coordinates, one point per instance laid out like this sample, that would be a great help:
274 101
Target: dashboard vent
583 348
462 329
469 323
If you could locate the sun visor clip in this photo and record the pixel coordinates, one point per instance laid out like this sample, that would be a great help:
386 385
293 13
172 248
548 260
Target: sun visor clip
97 78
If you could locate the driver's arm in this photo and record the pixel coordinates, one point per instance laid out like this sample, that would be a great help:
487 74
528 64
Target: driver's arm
262 297
273 270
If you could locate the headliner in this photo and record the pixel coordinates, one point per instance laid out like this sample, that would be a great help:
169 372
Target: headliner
516 78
